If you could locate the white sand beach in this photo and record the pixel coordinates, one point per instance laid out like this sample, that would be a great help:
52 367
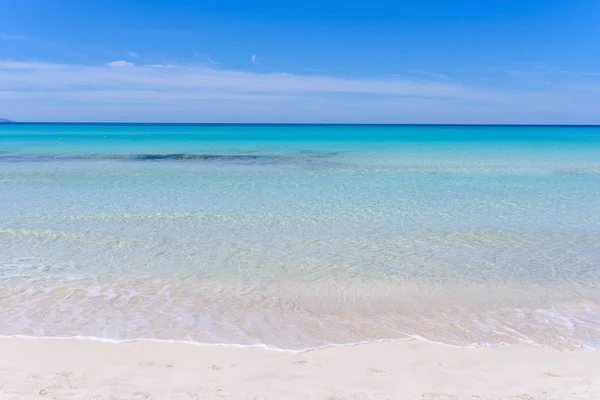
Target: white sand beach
88 369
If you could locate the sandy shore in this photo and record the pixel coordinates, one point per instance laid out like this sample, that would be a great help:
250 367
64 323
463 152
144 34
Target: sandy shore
86 369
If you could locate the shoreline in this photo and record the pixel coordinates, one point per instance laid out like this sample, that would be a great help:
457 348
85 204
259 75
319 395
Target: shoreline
303 350
262 346
412 369
267 347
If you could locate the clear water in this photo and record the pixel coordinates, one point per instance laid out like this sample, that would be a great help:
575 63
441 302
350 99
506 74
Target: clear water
298 237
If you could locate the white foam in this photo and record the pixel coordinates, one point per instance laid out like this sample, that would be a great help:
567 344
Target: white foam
189 342
263 345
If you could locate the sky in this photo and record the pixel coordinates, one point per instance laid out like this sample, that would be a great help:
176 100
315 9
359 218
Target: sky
427 61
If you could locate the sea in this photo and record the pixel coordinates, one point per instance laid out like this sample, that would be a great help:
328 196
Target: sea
298 237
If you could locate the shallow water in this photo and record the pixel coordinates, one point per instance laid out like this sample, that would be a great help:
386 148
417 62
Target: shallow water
301 236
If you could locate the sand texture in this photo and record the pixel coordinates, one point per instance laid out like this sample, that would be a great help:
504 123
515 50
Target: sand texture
87 369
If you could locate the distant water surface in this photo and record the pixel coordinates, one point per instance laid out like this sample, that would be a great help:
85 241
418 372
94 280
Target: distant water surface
301 236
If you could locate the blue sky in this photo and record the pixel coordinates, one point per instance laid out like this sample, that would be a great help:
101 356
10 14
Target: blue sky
478 61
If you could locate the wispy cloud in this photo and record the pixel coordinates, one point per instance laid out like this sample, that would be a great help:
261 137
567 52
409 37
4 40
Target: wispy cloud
133 54
436 75
206 58
536 69
6 36
549 72
139 96
162 66
209 91
120 63
516 73
254 59
163 76
312 69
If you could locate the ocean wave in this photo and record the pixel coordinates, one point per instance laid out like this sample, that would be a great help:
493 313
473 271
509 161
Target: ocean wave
263 346
268 347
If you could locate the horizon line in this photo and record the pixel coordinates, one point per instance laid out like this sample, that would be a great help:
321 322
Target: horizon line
11 122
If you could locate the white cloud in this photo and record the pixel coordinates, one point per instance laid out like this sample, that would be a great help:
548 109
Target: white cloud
133 54
7 36
209 93
139 96
254 60
121 63
27 75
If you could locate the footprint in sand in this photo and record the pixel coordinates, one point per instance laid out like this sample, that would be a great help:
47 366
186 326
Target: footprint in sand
45 392
65 374
437 396
299 362
147 364
376 370
215 367
553 374
525 396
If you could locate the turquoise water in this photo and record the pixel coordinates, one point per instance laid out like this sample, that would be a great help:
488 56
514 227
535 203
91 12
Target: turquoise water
301 236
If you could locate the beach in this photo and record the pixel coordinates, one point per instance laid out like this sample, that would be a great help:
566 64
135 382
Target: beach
299 261
88 369
299 200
